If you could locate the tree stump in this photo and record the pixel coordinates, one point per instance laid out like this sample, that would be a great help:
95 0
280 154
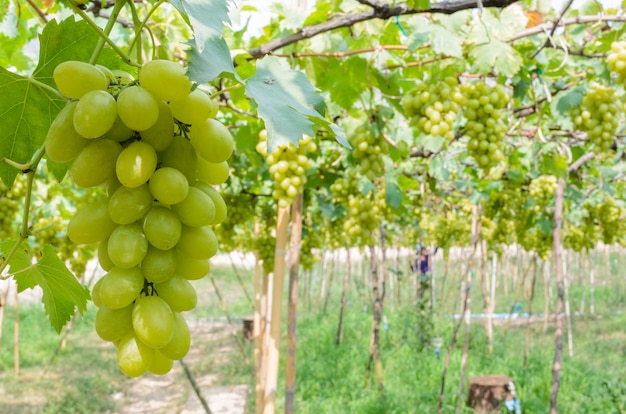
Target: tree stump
248 328
486 393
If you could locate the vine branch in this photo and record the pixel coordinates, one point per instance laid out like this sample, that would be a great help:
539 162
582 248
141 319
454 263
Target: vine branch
379 10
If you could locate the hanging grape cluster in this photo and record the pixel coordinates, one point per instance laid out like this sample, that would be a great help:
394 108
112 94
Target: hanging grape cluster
288 165
598 115
9 207
542 190
433 107
485 125
367 151
616 60
156 147
365 212
610 217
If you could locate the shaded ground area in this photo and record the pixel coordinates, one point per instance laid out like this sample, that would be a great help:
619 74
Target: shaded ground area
89 383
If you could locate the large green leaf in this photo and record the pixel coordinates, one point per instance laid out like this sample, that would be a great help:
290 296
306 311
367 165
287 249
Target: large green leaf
497 55
27 108
62 292
446 42
285 100
26 111
208 62
207 18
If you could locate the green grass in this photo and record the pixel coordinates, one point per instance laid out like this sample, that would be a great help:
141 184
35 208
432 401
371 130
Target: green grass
331 378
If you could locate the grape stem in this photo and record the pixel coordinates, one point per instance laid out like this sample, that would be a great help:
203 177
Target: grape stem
228 89
117 8
102 35
29 170
140 27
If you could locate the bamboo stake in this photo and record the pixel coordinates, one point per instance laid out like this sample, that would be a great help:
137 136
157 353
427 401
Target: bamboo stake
321 287
568 315
377 310
476 222
344 294
258 327
592 277
558 262
16 334
4 294
486 294
294 261
330 280
546 295
273 355
466 279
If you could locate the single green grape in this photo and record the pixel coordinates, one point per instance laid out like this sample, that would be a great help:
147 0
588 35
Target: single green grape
178 346
136 164
161 364
127 205
194 108
190 268
221 210
133 357
74 79
91 223
127 245
182 156
162 227
95 164
211 173
112 324
95 114
120 287
137 108
165 79
153 321
168 185
63 143
212 140
159 265
178 293
196 210
198 242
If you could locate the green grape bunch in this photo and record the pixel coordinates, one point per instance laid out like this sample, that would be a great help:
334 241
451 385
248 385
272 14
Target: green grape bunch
288 165
9 208
432 107
485 127
598 115
365 212
616 60
542 190
155 146
368 151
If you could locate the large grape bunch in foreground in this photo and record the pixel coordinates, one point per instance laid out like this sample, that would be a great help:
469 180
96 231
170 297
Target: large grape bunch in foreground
155 145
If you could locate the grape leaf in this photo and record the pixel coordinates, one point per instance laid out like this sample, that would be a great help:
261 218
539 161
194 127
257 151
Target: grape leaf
208 62
62 292
570 99
285 100
26 110
207 18
446 42
497 55
393 194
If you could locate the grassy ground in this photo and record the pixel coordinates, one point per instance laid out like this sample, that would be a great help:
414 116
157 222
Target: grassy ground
83 378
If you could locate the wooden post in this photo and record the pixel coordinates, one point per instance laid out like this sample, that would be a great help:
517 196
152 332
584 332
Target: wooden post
377 311
294 262
344 294
558 262
331 272
260 296
4 294
16 334
273 354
